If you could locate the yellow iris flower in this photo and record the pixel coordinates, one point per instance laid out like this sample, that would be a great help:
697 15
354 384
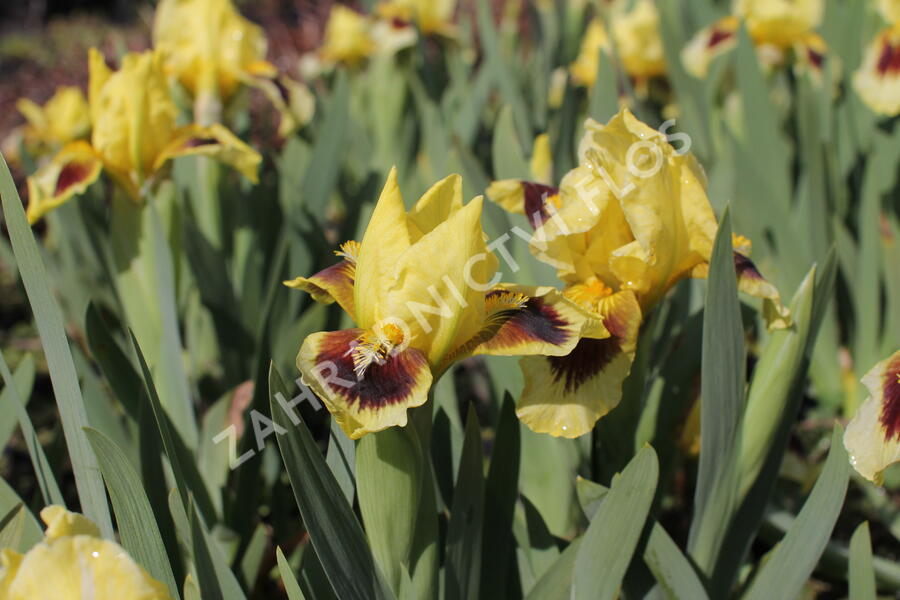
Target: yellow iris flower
638 41
431 16
780 23
623 227
348 37
872 438
73 558
584 68
134 136
423 292
209 46
63 119
877 81
775 26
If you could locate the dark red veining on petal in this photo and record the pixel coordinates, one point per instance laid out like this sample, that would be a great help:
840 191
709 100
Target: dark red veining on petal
717 36
744 267
889 59
71 174
536 321
536 195
585 361
197 142
388 383
890 406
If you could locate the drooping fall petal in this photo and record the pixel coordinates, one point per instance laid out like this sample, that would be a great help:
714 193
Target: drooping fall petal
334 283
215 141
877 81
366 384
70 172
566 395
872 438
708 43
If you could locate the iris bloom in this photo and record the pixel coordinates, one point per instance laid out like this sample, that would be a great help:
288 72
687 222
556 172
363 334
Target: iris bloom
423 293
775 26
73 561
431 16
134 136
624 226
877 81
348 37
208 46
638 42
873 435
584 69
63 119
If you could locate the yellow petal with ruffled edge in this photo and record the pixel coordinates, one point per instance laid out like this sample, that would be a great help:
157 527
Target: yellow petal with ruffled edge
347 37
777 22
216 142
361 403
565 396
69 173
61 523
439 283
638 41
872 438
209 46
387 237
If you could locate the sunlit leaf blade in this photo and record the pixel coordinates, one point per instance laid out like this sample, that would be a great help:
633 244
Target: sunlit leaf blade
11 526
46 481
613 534
23 376
32 532
138 531
795 557
333 529
861 577
50 326
671 568
287 577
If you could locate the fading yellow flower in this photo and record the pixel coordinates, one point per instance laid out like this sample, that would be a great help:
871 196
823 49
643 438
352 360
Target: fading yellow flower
708 43
779 23
74 562
638 41
208 46
431 16
877 81
293 100
348 37
872 438
584 69
134 136
623 227
63 119
423 293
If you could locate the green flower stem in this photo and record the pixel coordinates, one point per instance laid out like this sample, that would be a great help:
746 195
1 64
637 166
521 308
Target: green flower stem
145 282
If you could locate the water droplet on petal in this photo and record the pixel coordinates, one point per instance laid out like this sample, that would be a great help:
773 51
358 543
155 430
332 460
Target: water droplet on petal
95 554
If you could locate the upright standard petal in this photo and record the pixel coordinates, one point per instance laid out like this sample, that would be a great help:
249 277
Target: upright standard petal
436 205
334 283
348 38
872 438
439 283
566 395
69 173
387 237
366 379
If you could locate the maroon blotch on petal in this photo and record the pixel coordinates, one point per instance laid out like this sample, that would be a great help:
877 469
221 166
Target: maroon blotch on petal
585 361
890 407
197 142
536 195
717 36
72 174
744 267
389 382
537 320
